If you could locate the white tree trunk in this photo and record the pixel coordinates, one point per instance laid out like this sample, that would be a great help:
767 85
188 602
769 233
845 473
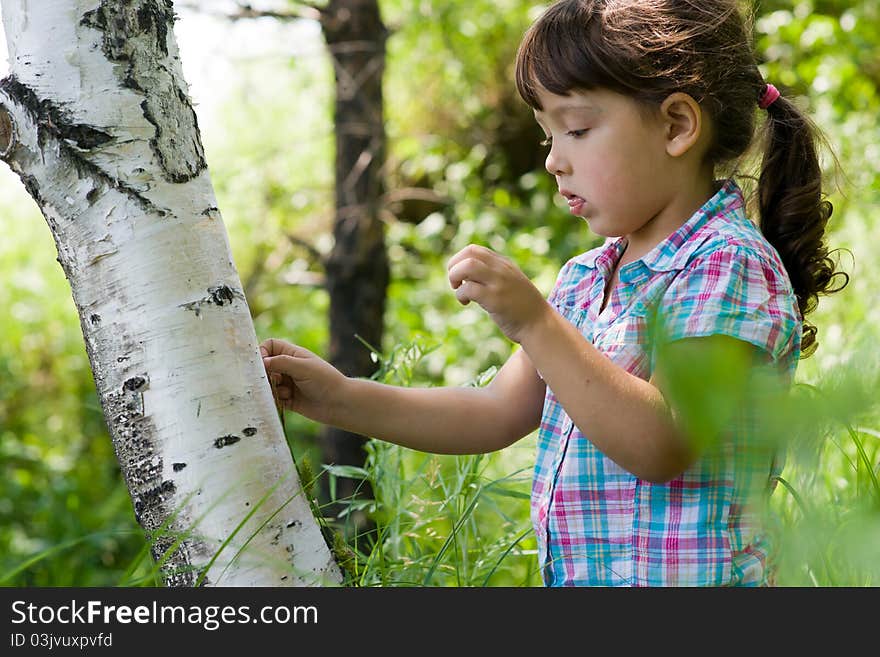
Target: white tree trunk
96 120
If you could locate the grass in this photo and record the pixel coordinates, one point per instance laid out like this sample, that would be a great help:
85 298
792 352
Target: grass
443 520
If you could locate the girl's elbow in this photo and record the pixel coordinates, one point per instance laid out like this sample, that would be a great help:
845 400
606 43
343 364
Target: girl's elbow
660 476
512 427
667 467
506 438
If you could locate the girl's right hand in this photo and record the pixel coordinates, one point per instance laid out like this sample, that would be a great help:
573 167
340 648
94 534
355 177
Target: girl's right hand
305 383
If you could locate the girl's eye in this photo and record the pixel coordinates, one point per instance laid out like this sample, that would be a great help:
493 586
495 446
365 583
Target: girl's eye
548 141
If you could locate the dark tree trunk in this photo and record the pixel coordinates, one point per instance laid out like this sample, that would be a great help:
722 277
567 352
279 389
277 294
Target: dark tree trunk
357 268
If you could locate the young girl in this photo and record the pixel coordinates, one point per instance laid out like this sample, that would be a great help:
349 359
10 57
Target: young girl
641 102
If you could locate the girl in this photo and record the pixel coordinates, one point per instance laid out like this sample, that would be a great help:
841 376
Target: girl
641 102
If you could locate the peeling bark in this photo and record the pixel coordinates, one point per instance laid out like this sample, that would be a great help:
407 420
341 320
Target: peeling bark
96 121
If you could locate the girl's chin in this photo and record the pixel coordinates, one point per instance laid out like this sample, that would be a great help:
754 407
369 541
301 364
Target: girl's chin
582 213
597 227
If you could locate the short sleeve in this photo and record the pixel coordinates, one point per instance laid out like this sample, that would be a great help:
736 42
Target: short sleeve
733 291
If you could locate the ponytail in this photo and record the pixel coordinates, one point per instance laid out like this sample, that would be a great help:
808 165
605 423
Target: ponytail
793 211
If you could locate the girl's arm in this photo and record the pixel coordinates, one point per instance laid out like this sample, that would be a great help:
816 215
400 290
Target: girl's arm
637 423
627 418
449 420
439 420
624 416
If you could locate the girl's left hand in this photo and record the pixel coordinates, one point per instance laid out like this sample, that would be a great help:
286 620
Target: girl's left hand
499 287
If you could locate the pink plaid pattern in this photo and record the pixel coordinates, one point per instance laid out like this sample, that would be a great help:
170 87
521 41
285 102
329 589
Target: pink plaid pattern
596 523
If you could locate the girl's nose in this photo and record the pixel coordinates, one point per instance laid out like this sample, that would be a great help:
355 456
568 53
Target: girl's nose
555 163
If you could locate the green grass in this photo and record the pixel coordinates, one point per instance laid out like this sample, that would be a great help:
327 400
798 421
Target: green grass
443 520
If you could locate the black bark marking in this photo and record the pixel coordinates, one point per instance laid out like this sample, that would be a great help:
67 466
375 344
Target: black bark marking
95 319
53 125
134 441
153 497
7 131
135 384
177 571
33 188
220 295
87 169
84 136
223 441
249 431
276 538
135 35
51 119
177 467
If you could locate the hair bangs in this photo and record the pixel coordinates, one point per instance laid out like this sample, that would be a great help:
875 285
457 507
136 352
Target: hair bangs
561 52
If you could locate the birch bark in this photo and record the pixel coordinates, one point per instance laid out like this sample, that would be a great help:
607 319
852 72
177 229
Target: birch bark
96 120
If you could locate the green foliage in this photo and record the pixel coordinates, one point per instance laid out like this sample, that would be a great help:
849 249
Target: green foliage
65 518
828 518
826 511
456 129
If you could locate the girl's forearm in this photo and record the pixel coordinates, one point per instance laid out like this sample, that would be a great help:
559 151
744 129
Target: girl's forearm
437 420
626 417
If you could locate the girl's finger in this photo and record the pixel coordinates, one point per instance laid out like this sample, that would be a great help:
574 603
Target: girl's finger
469 269
470 251
287 365
469 291
275 347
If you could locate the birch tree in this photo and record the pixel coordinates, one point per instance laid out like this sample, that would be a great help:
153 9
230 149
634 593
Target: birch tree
357 271
96 120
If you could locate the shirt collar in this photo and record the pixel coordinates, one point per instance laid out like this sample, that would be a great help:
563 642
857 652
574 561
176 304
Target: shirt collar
674 252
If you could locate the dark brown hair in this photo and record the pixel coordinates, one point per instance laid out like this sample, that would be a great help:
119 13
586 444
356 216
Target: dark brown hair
648 49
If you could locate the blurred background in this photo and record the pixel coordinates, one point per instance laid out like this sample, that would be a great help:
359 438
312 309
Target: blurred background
462 165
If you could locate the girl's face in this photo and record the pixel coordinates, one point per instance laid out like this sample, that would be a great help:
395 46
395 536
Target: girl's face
608 158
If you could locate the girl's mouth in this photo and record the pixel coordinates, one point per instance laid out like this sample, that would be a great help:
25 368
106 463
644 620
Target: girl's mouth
575 203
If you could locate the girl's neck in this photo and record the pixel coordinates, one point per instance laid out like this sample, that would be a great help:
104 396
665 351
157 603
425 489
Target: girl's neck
668 220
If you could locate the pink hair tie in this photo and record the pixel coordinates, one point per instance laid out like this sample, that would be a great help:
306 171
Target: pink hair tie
771 93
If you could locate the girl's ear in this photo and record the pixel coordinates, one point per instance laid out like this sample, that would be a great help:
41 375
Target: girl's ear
682 119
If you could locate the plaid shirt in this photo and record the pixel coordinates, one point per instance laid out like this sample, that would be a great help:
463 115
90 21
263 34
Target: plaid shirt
596 523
